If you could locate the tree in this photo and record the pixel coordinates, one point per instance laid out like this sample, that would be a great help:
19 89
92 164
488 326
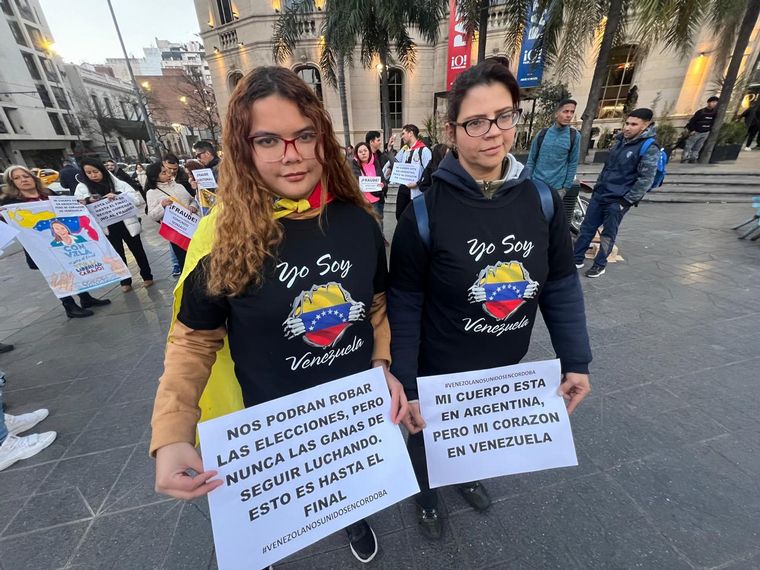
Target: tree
748 20
91 119
379 28
199 104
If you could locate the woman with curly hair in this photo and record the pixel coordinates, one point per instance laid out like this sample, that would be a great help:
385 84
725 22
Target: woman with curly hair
287 202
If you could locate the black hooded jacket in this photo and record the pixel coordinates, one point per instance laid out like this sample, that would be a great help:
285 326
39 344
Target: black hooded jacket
469 302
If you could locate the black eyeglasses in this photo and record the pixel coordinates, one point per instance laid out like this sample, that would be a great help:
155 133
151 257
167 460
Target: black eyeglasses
505 121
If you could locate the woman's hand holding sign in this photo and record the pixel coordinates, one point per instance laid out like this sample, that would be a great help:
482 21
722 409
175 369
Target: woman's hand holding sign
399 405
414 422
574 388
173 462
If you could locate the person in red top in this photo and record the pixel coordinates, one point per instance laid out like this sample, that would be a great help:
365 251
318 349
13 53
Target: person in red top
23 186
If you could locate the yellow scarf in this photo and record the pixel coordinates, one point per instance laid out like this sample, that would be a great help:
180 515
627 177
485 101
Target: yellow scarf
285 206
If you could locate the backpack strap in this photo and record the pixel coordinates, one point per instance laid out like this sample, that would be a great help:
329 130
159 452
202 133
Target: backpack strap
644 147
573 136
547 202
539 141
423 220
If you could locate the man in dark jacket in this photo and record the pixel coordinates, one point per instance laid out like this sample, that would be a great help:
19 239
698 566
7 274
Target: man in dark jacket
205 152
751 118
626 177
67 177
699 127
117 171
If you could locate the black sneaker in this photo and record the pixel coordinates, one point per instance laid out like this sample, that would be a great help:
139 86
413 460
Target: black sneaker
594 272
579 265
176 271
93 302
362 540
476 496
75 312
431 525
5 347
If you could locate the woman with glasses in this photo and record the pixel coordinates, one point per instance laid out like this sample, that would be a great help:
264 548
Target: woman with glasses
290 230
467 281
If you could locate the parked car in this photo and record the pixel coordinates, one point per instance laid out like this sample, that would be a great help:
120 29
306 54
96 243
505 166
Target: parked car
46 175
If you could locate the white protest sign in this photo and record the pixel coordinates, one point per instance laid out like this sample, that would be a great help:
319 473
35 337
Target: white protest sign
489 423
301 467
178 225
66 206
71 251
205 178
370 184
109 212
405 173
7 235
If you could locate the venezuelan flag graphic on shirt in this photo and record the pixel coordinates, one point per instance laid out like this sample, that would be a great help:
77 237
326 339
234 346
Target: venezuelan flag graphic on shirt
322 314
502 289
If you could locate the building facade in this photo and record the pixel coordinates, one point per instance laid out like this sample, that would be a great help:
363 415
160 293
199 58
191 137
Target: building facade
38 126
190 57
108 113
238 38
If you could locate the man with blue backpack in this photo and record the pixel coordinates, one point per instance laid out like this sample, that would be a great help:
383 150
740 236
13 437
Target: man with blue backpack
635 165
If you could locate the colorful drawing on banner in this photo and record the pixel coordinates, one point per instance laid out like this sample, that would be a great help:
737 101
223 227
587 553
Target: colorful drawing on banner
206 200
502 289
322 315
489 423
298 468
70 251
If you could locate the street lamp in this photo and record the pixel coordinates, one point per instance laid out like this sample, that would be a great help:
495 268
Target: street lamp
183 99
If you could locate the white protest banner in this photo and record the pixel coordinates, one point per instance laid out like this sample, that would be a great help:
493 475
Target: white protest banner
72 252
109 212
405 173
178 225
370 184
7 235
205 178
489 423
66 206
301 467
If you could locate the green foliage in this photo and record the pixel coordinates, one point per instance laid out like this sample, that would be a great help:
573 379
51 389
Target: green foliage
667 134
433 129
732 133
605 140
547 96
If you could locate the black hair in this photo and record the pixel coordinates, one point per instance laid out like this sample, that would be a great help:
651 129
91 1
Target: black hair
356 152
642 113
170 158
484 73
438 152
109 160
204 146
412 129
105 186
566 101
371 135
151 175
713 98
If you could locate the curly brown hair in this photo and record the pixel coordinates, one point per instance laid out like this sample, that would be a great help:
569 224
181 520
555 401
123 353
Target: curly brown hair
246 232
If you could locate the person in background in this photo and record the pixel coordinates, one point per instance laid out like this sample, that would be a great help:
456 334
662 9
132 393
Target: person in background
383 158
349 152
171 163
162 190
751 116
14 447
554 154
414 152
190 166
365 164
98 183
67 177
438 153
114 168
139 176
626 177
699 127
22 186
481 193
205 152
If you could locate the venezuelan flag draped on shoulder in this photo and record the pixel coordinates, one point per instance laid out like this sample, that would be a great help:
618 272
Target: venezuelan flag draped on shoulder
222 394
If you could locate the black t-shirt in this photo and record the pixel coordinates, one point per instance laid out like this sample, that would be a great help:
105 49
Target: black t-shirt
309 322
488 263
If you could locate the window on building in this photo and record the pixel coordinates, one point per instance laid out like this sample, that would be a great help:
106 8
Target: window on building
3 127
55 120
38 41
18 34
109 109
25 9
138 115
233 79
96 105
31 65
124 108
618 81
395 97
49 69
14 118
71 123
225 11
44 95
6 7
60 98
310 75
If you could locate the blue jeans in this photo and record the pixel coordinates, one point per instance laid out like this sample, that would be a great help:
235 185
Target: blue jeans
379 207
3 429
173 256
599 212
